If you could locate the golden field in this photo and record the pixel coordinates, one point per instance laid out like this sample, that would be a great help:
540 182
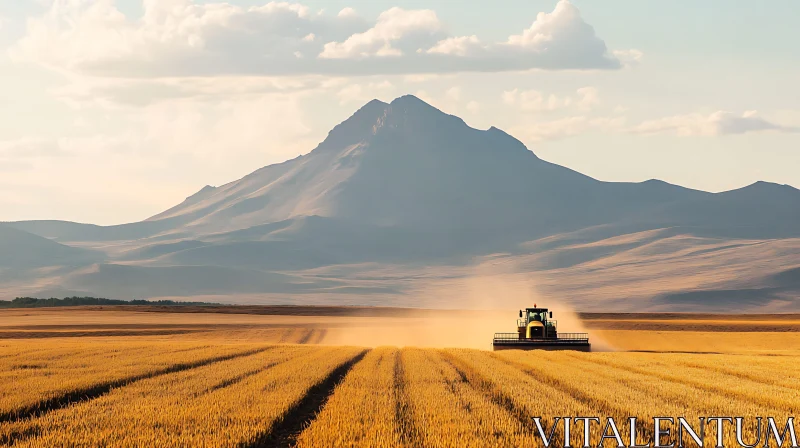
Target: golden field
111 377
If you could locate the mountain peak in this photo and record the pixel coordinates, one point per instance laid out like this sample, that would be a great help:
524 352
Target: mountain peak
762 192
355 128
415 106
409 100
405 112
413 115
765 184
768 187
372 106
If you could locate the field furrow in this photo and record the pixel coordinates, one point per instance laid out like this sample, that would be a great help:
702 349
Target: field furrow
185 409
663 367
760 369
194 383
606 392
363 409
449 411
640 395
471 376
47 384
527 395
286 431
404 417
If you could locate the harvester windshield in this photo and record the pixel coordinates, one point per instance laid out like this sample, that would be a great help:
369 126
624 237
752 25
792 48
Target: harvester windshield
539 316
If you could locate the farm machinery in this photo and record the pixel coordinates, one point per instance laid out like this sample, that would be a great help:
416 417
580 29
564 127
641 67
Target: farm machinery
536 330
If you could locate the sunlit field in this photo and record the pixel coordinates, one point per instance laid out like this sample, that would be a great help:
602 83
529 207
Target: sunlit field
262 385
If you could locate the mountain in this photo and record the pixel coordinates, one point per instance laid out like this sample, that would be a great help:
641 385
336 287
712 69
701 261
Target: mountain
408 165
760 210
20 249
405 187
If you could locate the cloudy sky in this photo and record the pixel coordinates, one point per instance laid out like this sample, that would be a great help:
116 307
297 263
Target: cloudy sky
111 111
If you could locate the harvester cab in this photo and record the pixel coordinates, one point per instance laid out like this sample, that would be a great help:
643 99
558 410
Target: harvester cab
536 330
536 323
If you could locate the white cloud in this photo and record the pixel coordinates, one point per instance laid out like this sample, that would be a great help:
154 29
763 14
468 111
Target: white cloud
425 96
180 38
585 99
588 98
533 100
568 127
157 154
558 129
454 93
425 77
203 128
629 58
396 32
717 123
457 46
177 38
347 12
563 39
361 93
474 107
110 93
349 94
553 130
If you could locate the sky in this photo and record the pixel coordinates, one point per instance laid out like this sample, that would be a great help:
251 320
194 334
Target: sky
112 111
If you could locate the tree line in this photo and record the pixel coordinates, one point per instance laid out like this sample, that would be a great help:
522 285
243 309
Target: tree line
33 302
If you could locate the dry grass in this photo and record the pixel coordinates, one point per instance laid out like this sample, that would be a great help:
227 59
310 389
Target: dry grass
253 385
224 404
363 409
34 372
700 341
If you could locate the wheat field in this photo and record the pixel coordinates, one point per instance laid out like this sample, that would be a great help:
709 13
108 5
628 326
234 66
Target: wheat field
261 387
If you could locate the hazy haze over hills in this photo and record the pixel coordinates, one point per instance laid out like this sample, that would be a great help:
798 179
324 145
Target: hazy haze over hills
402 204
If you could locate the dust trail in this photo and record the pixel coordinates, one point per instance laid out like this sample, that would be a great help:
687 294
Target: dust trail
306 337
320 336
484 301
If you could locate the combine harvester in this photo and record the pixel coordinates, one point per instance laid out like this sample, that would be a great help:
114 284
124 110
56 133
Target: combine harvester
537 331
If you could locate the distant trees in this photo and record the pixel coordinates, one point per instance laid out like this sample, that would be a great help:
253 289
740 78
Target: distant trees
32 302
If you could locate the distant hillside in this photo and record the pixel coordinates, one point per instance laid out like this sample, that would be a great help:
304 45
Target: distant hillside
21 249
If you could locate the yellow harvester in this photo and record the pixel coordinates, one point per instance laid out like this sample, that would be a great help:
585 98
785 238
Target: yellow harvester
536 330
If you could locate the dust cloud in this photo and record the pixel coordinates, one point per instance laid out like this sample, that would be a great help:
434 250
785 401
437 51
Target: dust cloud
461 312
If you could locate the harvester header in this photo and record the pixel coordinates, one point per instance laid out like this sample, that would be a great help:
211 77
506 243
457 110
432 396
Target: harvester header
536 330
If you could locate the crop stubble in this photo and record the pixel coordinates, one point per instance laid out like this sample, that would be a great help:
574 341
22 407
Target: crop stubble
241 394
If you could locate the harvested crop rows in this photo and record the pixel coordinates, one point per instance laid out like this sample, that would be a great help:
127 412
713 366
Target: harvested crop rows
130 393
